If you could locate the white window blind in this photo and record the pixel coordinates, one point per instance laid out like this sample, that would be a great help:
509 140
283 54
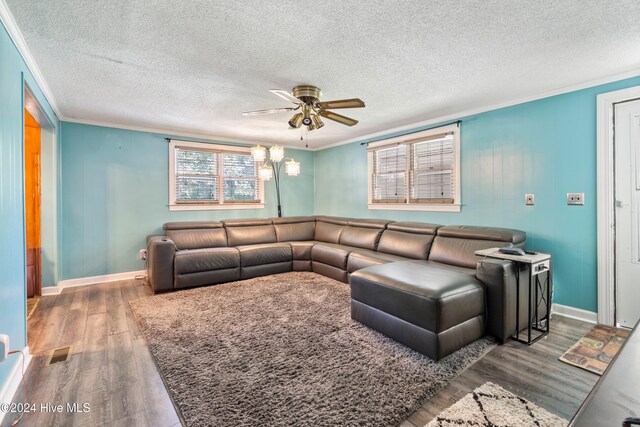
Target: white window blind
214 176
432 169
196 176
418 171
390 174
240 178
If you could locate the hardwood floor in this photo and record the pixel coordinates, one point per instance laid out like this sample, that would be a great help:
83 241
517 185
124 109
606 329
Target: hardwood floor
112 369
533 372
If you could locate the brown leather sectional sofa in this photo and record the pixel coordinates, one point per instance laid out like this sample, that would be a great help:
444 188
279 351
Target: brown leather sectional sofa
450 295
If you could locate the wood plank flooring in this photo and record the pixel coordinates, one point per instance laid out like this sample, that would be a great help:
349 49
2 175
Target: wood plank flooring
112 369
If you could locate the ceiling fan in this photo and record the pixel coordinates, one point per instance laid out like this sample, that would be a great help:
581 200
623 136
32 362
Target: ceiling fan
306 98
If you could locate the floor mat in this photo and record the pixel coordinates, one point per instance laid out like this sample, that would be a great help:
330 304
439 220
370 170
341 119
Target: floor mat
595 350
491 406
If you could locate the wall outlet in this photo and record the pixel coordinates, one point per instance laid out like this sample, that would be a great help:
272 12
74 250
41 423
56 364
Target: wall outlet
143 254
575 199
528 199
4 347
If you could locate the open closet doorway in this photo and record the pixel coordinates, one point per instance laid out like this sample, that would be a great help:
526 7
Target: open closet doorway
40 156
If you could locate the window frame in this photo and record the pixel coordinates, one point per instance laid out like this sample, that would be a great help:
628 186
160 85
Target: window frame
408 205
174 205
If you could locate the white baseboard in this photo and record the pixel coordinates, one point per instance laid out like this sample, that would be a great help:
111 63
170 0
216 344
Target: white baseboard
93 280
10 387
574 313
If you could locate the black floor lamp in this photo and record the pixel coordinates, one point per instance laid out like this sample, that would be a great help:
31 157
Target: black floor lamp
272 167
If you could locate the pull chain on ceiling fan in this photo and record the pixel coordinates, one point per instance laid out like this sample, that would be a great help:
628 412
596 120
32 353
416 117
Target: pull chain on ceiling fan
306 98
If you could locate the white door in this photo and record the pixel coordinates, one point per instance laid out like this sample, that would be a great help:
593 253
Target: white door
627 191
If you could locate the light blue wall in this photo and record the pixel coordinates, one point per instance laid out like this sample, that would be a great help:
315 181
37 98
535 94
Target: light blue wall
13 75
114 192
546 147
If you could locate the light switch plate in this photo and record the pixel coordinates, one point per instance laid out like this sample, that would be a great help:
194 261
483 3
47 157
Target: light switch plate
4 347
529 199
575 199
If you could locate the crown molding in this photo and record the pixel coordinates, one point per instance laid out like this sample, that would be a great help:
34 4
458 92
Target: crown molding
178 133
18 40
471 112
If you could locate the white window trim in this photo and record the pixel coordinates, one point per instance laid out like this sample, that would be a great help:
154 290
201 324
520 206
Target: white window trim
433 207
173 206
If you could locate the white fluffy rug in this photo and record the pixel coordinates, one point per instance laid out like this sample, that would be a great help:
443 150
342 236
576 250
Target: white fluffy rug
492 406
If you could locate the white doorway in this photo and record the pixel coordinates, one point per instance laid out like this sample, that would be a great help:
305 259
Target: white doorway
616 225
627 214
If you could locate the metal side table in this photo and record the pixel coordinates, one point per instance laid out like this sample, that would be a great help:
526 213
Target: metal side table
535 264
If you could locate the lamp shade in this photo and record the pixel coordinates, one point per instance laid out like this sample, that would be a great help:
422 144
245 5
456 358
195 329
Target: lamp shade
292 168
276 153
258 153
265 172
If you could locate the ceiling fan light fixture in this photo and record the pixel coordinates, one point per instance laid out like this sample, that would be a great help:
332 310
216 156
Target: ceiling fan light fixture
311 127
258 153
317 121
292 168
276 153
265 172
296 120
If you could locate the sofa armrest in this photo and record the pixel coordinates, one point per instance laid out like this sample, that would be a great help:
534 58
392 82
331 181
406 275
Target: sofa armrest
160 253
500 279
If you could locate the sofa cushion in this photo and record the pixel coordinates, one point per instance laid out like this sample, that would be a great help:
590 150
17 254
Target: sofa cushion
241 222
332 219
294 228
196 235
331 254
328 232
456 244
301 251
197 260
362 258
268 253
414 244
483 233
414 227
435 299
436 264
369 223
250 234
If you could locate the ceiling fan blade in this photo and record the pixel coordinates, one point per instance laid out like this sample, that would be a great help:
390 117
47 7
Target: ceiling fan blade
269 111
338 118
285 95
342 103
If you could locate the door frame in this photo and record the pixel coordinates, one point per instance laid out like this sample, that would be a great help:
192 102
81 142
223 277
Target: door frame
606 230
31 104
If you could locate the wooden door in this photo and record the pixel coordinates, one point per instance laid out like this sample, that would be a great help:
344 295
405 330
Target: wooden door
32 203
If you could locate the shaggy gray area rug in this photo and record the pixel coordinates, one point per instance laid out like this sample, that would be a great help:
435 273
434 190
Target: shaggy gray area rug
282 350
492 406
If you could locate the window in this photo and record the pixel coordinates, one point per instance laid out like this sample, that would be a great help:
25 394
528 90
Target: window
206 176
419 171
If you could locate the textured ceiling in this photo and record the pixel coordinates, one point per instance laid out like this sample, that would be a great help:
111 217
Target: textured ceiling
195 66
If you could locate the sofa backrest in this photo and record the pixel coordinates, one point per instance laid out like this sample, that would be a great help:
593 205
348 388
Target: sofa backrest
249 231
295 228
408 239
363 233
329 228
196 234
456 244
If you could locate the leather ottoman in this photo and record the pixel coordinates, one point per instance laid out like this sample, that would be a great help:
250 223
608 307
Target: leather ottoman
432 310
